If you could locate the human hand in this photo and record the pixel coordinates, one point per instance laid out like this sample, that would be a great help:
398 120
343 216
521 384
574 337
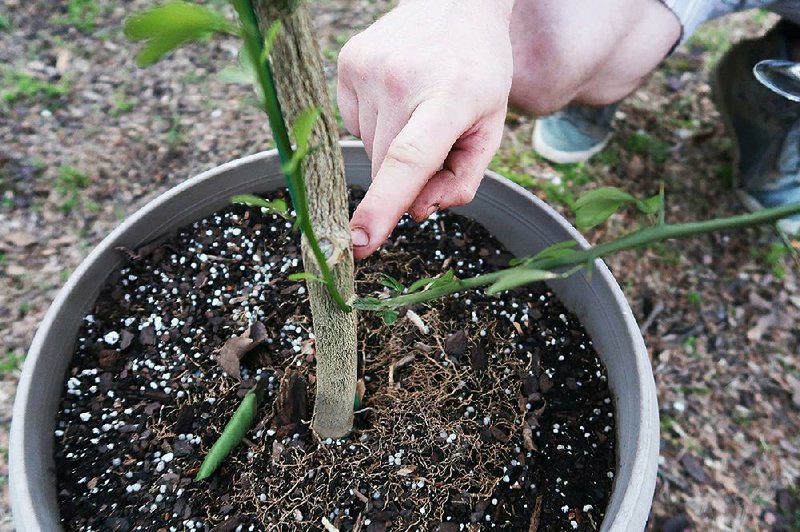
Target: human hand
426 88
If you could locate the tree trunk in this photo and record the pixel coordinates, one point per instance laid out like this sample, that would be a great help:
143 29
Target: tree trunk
300 82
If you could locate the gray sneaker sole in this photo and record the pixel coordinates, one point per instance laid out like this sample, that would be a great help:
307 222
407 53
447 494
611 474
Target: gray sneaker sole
557 156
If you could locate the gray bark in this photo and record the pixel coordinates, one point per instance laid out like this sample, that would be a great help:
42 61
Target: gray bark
300 81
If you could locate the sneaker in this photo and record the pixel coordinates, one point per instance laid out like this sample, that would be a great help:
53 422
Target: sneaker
575 133
765 126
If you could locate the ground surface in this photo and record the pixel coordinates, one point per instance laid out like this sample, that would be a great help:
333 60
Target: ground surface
86 139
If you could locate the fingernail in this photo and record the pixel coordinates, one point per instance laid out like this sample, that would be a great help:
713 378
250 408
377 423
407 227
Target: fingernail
360 237
432 209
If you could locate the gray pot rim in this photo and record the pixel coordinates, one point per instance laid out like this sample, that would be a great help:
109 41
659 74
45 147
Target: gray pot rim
33 498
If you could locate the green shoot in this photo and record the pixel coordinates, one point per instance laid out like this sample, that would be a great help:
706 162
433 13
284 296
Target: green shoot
234 432
305 276
561 256
277 206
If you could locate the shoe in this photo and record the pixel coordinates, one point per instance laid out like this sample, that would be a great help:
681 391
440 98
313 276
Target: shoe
765 126
574 134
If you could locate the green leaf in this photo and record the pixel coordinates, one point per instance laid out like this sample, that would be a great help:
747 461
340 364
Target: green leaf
269 38
597 205
304 276
167 27
429 283
277 206
389 316
391 283
368 303
302 129
234 431
419 284
514 278
236 76
559 249
443 280
651 205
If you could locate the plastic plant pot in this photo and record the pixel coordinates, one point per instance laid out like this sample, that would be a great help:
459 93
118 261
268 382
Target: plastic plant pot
522 222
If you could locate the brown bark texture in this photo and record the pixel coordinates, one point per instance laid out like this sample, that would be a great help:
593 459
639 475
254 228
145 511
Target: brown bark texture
300 82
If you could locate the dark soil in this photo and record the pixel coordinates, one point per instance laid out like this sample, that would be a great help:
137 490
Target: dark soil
494 412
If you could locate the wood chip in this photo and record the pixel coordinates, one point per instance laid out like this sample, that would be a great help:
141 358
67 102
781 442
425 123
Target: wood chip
397 365
456 344
417 321
328 525
20 239
536 515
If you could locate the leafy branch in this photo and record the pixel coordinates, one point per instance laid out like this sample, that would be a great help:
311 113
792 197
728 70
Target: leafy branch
167 27
563 259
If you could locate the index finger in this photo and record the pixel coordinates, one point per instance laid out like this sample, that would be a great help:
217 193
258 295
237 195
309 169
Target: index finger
413 157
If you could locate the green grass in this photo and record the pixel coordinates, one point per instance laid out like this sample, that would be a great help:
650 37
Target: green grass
70 183
774 256
690 346
11 362
696 390
5 23
175 132
666 423
694 298
81 14
646 145
18 85
511 164
120 104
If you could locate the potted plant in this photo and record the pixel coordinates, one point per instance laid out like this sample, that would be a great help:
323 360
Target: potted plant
519 220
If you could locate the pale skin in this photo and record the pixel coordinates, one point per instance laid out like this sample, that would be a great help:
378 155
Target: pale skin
427 87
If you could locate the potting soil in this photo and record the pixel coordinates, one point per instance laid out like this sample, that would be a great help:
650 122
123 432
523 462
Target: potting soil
479 411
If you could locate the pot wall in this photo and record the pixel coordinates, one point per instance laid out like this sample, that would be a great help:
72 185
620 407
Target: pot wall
522 222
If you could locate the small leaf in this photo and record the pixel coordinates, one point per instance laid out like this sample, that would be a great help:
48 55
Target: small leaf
234 431
558 249
236 76
169 26
368 303
277 206
391 283
419 284
515 278
389 316
597 205
651 205
302 129
269 38
443 280
304 276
